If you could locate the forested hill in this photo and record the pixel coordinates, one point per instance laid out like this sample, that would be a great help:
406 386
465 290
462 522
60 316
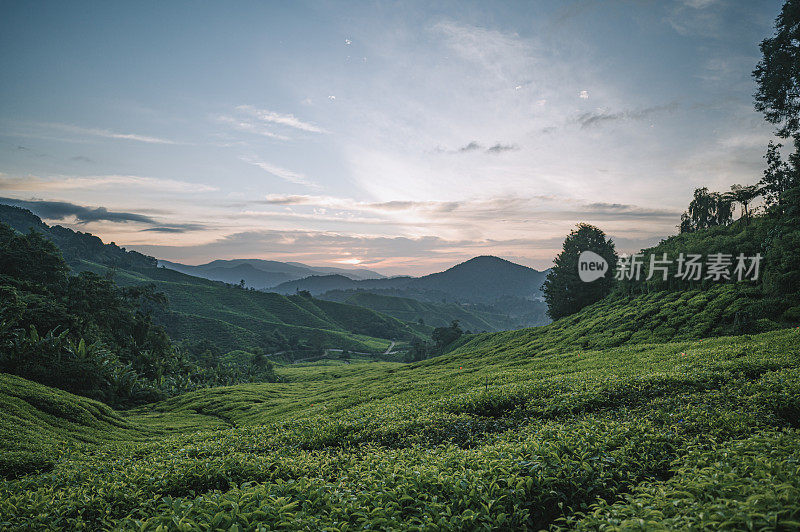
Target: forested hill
484 279
481 279
219 315
262 274
75 245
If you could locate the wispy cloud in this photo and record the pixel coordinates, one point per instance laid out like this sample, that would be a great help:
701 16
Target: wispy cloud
287 120
63 210
60 182
282 173
475 146
331 202
249 127
505 207
693 17
106 133
596 118
472 146
500 148
178 228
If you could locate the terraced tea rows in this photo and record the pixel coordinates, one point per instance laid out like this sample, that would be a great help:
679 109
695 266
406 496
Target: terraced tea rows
469 440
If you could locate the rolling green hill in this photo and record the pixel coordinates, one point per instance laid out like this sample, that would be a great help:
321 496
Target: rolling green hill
225 315
632 319
656 408
472 317
507 439
236 318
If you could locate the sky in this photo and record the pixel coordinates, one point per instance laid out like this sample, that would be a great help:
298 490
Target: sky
403 137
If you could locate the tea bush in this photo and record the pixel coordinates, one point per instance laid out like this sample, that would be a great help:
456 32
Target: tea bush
700 433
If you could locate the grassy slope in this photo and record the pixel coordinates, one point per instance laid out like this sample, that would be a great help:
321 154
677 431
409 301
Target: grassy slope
621 320
433 314
37 421
234 318
498 436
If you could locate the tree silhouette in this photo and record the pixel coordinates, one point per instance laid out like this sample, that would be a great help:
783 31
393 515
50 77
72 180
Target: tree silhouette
563 289
743 195
778 97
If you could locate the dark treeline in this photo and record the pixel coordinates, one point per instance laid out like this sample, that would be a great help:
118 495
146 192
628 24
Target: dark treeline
84 334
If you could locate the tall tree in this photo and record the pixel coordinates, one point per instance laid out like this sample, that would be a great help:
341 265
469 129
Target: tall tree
563 289
778 178
743 195
444 336
778 72
707 209
778 97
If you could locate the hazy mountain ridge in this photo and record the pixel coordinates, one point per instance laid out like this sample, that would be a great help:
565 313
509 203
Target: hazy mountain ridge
228 316
263 274
483 278
492 293
488 284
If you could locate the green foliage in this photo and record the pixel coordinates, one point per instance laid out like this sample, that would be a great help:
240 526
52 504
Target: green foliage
30 256
680 435
84 334
749 484
708 209
198 308
74 245
247 319
39 424
563 290
778 72
476 317
444 336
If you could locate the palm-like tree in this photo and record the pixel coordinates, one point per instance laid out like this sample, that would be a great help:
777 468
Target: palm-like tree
743 195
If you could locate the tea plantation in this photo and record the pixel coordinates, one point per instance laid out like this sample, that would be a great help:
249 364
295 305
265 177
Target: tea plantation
510 431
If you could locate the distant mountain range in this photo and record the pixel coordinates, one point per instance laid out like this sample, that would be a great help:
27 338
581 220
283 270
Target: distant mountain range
488 284
479 280
263 274
204 310
486 293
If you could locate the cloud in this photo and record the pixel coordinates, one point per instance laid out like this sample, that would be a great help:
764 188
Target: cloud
277 171
700 4
62 210
287 120
596 118
331 202
34 183
105 133
494 51
178 228
315 246
59 210
462 212
249 127
476 146
500 148
628 211
693 17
